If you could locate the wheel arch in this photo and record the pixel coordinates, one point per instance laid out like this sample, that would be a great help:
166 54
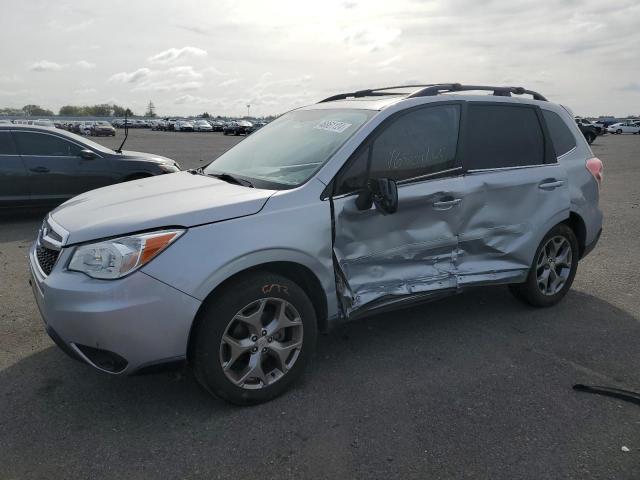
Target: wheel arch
577 224
296 272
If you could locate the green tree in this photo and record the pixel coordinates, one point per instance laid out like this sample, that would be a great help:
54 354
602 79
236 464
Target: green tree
71 111
36 110
205 115
118 111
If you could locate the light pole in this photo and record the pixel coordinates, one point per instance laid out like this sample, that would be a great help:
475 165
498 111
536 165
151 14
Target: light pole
248 107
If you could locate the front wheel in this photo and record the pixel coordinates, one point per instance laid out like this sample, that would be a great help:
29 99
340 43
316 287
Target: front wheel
590 137
618 132
553 270
254 338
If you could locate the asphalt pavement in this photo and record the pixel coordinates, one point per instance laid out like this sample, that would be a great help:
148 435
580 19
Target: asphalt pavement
476 386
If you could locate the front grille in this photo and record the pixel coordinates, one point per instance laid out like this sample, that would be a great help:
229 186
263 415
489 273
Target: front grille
46 258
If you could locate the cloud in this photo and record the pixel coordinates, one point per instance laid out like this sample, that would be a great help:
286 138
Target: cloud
229 82
173 54
171 86
85 65
132 77
184 72
372 38
46 66
191 99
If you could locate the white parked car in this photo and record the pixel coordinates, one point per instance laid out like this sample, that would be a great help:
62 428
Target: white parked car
202 126
624 127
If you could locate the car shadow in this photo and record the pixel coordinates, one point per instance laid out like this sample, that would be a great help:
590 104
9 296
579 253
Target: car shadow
20 225
442 358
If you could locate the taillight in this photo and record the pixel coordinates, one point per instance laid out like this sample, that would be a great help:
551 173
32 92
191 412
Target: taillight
594 165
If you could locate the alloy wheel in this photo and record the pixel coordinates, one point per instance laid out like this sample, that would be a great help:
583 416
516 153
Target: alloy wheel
261 343
553 265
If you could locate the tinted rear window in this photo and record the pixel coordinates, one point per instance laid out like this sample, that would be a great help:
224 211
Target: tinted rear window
562 138
6 144
503 136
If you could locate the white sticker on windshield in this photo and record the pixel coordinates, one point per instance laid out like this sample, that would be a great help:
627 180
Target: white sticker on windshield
332 126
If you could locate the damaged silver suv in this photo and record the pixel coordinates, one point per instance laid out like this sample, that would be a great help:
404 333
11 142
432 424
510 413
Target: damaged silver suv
368 200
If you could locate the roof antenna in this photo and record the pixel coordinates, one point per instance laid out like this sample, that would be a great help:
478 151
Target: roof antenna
126 130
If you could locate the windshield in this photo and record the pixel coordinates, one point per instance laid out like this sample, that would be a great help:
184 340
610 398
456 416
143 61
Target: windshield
290 149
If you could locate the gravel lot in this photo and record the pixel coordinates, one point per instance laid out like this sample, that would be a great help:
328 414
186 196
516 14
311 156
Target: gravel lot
476 386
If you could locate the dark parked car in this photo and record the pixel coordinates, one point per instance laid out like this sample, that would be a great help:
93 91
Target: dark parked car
44 166
217 125
238 127
589 130
102 128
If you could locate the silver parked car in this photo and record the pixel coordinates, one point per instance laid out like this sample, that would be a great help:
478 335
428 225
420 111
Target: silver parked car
366 201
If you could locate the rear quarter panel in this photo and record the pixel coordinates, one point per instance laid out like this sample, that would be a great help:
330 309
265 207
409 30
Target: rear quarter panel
583 188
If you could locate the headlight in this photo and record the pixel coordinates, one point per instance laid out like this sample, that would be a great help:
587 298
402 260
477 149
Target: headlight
165 167
118 257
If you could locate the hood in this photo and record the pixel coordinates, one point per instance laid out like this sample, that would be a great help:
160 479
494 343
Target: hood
178 199
150 157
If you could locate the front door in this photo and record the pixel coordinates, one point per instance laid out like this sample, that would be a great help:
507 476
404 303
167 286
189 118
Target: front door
56 169
382 259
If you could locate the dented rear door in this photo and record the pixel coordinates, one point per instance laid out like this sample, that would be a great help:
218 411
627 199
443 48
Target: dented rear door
515 191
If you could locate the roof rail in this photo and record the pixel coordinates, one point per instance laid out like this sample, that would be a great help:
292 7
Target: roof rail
374 92
433 89
457 87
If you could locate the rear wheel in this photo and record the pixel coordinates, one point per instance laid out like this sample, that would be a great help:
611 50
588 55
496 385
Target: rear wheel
254 338
553 270
590 137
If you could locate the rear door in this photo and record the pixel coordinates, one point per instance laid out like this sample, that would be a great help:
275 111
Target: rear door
14 178
382 259
515 191
56 168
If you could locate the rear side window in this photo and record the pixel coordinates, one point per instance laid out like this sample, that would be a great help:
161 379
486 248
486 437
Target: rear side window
43 144
562 138
503 136
6 144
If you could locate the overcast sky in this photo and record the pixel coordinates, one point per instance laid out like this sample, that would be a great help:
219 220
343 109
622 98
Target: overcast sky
217 56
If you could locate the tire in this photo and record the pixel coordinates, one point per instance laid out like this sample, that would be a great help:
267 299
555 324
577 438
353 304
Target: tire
212 357
531 291
618 132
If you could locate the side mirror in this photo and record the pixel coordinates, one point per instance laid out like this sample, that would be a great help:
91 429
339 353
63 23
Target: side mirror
382 192
87 154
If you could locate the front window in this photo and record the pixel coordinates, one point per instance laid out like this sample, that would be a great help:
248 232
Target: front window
288 151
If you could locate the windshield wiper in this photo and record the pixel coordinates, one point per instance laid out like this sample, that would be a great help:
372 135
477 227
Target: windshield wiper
227 177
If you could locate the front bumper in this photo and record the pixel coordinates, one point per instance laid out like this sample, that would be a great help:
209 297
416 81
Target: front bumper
117 326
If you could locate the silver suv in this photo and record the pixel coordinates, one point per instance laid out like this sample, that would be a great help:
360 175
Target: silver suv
368 200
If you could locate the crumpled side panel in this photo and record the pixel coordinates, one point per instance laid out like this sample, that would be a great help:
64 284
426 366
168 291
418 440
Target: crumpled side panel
490 237
411 251
503 218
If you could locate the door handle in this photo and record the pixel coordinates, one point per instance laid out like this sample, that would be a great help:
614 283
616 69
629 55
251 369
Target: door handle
446 204
550 184
40 170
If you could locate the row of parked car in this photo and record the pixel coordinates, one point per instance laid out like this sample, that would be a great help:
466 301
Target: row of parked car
591 130
228 127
